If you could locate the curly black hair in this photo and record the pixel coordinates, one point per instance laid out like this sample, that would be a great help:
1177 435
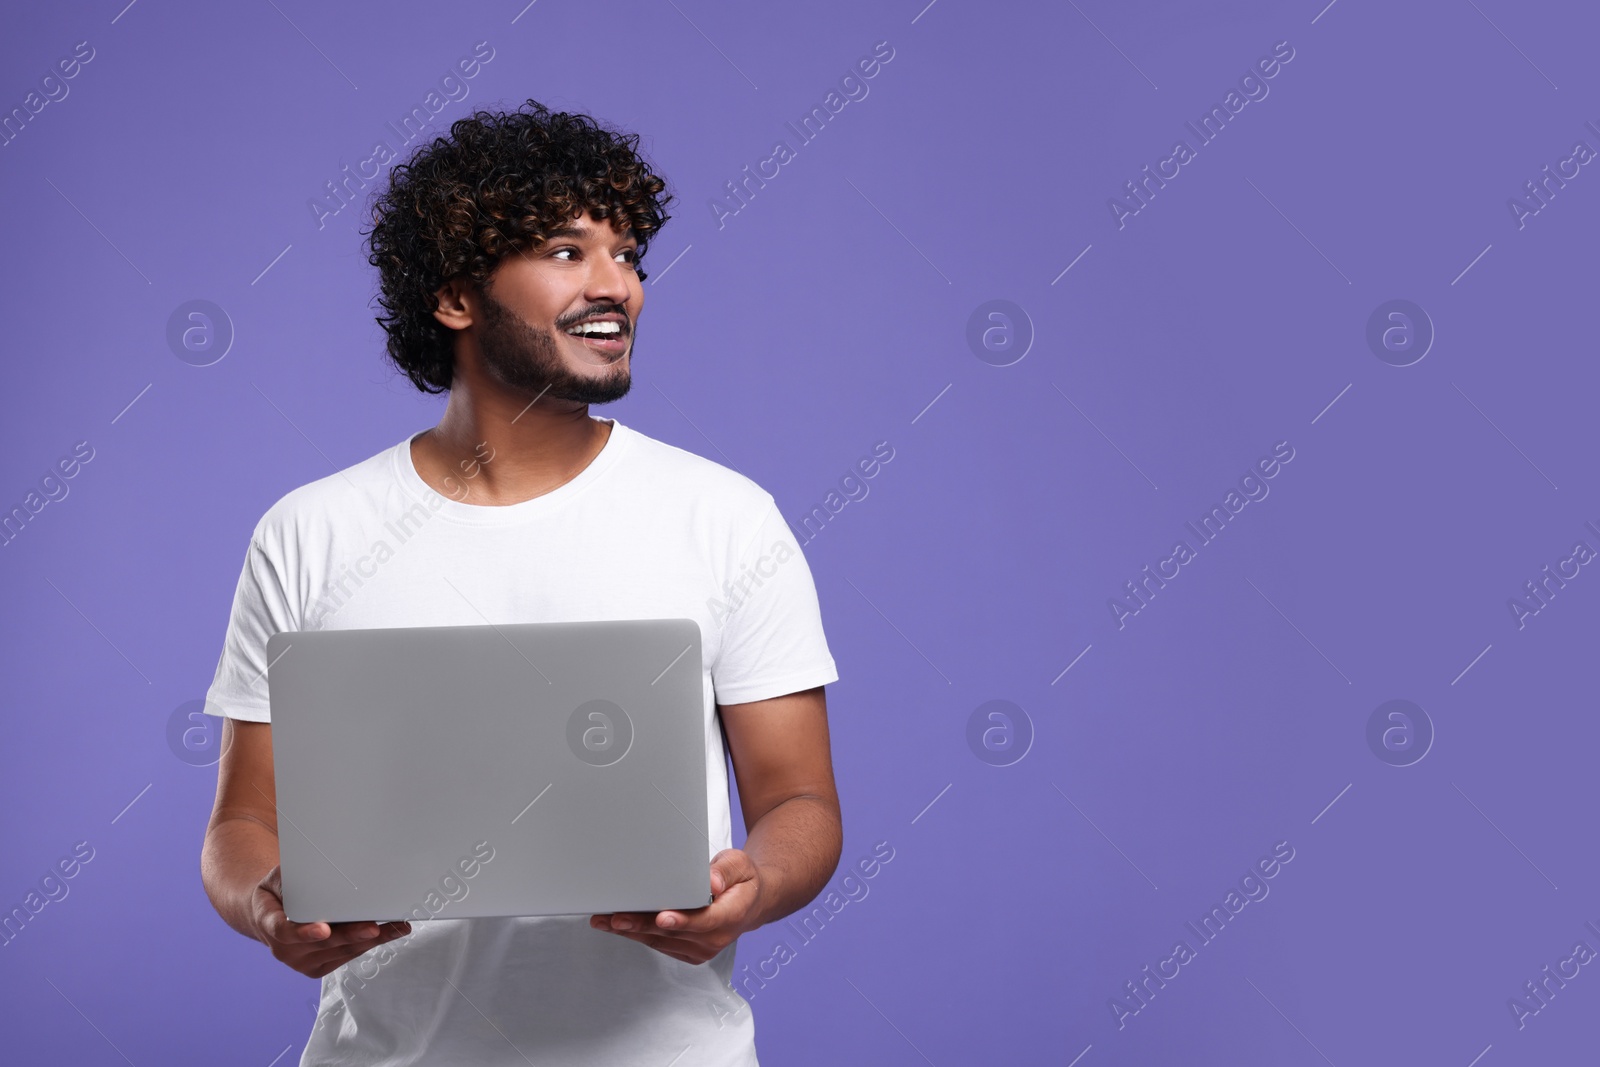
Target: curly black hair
493 188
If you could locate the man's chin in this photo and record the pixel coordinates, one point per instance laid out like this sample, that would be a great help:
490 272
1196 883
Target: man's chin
599 393
582 390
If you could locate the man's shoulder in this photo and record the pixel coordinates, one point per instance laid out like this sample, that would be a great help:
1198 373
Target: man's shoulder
315 504
685 472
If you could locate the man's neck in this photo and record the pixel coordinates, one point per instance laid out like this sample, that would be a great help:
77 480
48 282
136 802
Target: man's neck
492 453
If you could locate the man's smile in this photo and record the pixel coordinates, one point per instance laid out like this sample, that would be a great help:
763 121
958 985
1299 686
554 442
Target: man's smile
603 333
612 344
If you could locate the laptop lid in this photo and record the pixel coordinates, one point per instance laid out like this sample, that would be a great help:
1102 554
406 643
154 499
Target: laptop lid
472 771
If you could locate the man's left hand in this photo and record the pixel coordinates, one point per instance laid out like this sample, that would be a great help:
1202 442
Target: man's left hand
697 935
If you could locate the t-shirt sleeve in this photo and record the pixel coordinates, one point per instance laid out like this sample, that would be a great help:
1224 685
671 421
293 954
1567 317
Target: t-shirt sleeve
260 609
772 641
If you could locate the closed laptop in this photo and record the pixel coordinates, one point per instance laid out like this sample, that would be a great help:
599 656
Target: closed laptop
474 771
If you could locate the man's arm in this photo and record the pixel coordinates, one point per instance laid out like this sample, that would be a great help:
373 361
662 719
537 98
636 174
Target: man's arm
782 763
241 842
239 863
784 768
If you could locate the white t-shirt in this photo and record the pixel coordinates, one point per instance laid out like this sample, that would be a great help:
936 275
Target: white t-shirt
647 530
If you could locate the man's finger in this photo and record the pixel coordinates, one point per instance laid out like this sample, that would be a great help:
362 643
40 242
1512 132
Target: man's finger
357 930
363 932
330 935
655 936
341 954
678 923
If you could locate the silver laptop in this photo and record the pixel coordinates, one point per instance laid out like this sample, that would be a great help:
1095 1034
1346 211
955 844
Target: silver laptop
453 772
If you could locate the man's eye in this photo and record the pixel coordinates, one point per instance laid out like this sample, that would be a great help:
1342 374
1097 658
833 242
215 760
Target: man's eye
631 253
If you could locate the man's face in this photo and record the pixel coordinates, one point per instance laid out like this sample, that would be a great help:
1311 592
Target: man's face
582 271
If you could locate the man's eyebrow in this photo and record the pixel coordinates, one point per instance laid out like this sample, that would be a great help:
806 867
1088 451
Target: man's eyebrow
581 233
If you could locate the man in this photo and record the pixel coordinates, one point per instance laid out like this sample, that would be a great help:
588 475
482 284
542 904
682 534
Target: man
509 260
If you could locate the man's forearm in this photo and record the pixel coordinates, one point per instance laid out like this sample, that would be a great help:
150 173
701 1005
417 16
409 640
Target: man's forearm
237 854
795 846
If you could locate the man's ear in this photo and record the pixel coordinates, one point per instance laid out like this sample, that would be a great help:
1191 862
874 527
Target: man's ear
457 303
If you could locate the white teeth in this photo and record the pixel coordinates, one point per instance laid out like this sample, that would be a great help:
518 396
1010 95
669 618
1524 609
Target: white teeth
597 328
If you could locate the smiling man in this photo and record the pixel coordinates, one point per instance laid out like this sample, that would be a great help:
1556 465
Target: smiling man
509 260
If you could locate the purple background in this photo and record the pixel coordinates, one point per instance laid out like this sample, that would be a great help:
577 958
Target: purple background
830 313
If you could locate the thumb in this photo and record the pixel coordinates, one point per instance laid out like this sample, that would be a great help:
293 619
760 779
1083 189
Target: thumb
729 867
277 923
289 930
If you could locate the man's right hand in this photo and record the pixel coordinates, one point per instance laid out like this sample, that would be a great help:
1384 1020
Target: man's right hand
313 949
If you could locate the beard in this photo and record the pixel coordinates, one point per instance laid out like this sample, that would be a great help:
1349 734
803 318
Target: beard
527 358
